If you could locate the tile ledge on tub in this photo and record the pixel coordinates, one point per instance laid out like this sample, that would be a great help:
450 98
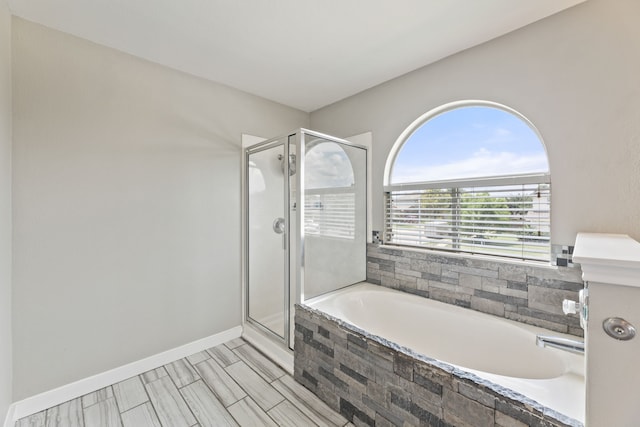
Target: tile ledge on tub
448 368
489 258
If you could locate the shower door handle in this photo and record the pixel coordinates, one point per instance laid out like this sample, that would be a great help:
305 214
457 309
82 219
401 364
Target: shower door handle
278 225
279 228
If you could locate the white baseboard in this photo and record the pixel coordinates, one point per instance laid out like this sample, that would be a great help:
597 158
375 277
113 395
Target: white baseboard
10 420
39 402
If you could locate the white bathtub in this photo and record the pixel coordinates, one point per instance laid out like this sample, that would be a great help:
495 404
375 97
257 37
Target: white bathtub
495 349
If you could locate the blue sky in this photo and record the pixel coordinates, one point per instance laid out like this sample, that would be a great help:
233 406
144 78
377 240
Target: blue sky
470 142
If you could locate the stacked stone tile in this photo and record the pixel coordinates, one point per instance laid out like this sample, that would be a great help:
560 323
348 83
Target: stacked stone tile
519 291
374 382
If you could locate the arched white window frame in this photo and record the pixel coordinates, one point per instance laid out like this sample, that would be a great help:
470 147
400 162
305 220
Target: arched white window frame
330 209
543 178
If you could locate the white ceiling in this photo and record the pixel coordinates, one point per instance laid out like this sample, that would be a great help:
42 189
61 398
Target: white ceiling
301 53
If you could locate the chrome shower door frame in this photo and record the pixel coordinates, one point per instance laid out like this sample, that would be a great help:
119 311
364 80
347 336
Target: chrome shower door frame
295 144
285 231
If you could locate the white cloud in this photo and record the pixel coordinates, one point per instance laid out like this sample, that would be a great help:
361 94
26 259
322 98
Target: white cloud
502 132
327 166
483 163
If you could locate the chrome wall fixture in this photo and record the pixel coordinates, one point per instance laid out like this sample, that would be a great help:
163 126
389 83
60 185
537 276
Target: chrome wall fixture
619 328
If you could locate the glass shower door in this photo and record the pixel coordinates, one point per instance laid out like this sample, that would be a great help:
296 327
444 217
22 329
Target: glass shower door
305 227
334 215
268 236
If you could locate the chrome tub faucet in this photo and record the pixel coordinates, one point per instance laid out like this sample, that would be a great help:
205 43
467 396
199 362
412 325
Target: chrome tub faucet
566 344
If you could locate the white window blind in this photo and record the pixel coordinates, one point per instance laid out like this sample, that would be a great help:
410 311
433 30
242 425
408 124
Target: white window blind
508 219
330 212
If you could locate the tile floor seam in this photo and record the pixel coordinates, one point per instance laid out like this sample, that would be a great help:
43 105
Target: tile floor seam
198 373
248 366
153 408
216 394
195 417
234 380
117 407
254 363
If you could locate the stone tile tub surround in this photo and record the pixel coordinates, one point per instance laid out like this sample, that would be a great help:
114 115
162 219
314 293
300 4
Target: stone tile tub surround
520 291
372 381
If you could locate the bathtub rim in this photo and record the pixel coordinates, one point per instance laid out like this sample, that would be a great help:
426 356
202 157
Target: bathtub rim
535 329
456 371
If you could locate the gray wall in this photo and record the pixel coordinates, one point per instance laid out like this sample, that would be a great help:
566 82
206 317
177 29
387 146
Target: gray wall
574 75
126 206
5 209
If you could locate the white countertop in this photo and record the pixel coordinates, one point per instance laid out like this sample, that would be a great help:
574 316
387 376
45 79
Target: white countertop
608 258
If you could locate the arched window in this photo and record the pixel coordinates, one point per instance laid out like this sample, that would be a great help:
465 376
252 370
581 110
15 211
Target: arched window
470 177
330 197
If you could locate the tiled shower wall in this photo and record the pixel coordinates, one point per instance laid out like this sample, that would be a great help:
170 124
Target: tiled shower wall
519 291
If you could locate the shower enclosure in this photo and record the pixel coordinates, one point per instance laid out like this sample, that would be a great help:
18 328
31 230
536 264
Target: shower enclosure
305 228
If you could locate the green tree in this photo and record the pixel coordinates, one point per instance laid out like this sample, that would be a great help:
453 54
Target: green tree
484 209
435 204
519 205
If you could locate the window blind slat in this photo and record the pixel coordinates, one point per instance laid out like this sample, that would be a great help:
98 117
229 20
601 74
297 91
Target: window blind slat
507 220
330 212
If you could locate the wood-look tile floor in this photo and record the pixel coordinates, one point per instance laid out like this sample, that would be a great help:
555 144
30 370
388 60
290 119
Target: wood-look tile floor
228 385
